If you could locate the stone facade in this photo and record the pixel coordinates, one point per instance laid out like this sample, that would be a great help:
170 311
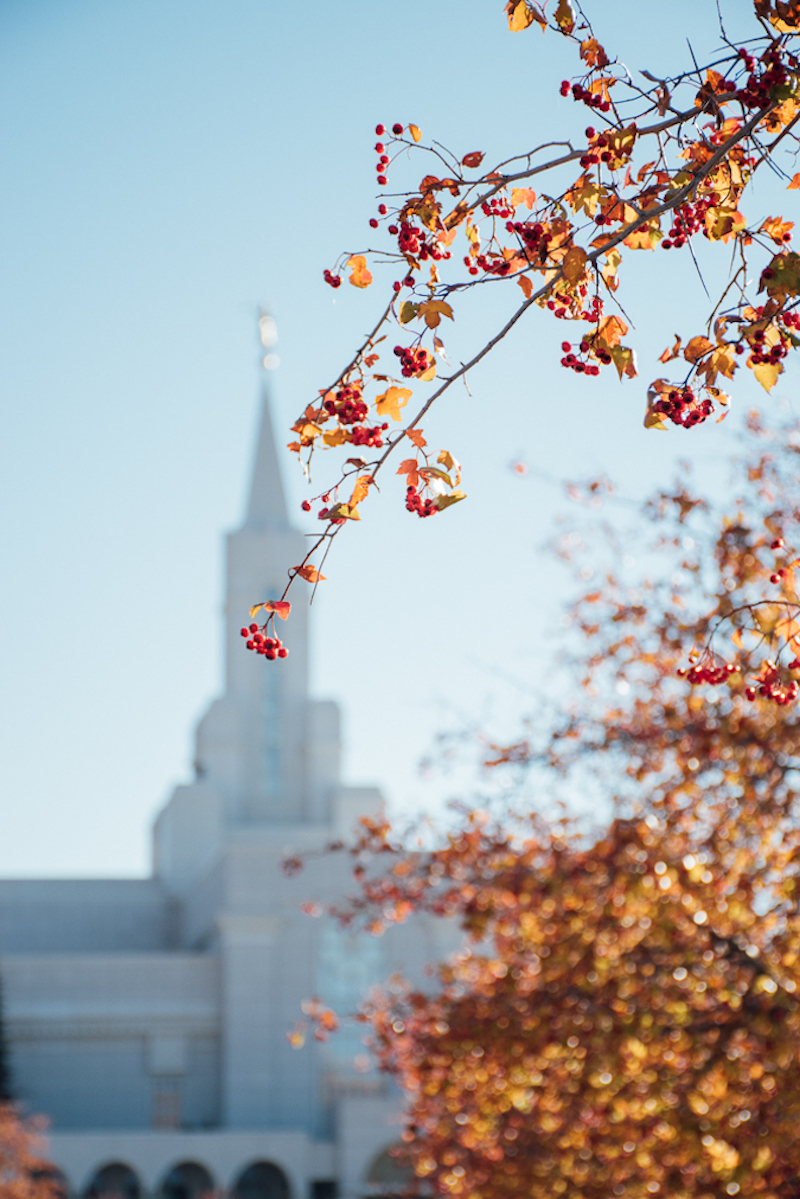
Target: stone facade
147 1018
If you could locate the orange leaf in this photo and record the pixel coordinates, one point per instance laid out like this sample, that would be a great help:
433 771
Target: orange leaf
574 264
415 435
523 195
392 400
309 573
360 490
281 608
565 17
409 467
669 354
521 14
793 186
472 160
432 312
360 277
415 133
526 285
777 229
697 348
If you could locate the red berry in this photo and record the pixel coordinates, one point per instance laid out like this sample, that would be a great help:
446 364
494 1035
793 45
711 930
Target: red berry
283 652
245 632
379 147
250 644
397 130
373 223
380 130
253 628
305 506
382 180
777 544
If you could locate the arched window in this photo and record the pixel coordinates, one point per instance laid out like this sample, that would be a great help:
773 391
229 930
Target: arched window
116 1181
390 1172
187 1181
262 1180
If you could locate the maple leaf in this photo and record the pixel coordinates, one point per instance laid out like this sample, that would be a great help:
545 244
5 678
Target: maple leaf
444 501
574 265
646 237
360 490
624 360
611 330
335 437
521 14
450 463
281 608
309 573
392 400
723 222
565 17
782 276
522 195
696 348
593 53
408 310
474 159
669 354
795 183
776 228
409 467
415 435
585 196
433 310
360 277
415 133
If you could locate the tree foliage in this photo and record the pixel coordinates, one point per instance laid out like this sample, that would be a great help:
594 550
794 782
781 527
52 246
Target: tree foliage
625 1016
664 164
24 1172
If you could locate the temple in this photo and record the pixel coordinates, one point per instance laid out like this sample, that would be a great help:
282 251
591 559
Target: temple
147 1019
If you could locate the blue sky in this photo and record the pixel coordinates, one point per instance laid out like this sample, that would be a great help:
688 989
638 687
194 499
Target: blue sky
169 166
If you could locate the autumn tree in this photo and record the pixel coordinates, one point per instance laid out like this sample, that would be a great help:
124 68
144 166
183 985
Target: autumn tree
624 1017
666 163
24 1171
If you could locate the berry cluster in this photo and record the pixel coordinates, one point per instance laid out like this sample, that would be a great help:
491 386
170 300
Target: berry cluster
382 165
598 151
499 207
761 351
493 264
579 92
683 407
533 236
364 435
415 503
771 686
412 241
413 362
347 405
689 219
269 647
757 92
707 672
333 280
582 365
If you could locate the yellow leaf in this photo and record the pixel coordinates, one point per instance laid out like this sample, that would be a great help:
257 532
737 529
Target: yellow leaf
444 501
450 463
722 222
360 277
625 361
415 133
696 348
767 373
336 437
309 573
574 264
392 400
521 15
429 374
408 310
646 237
342 512
433 311
565 17
778 229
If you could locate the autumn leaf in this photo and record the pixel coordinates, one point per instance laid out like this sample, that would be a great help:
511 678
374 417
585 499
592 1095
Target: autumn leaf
521 14
415 435
335 437
444 501
593 53
669 354
574 265
723 222
646 237
778 229
766 373
392 400
409 467
782 276
472 160
565 17
611 330
360 277
526 285
309 573
522 195
795 183
408 310
281 608
342 512
360 491
415 133
433 310
624 360
696 348
450 464
427 375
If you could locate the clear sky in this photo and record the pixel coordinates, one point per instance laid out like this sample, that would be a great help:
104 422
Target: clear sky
169 165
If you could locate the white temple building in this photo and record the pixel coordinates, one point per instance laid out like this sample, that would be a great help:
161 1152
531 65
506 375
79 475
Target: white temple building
147 1019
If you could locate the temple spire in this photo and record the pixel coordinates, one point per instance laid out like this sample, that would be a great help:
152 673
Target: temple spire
266 504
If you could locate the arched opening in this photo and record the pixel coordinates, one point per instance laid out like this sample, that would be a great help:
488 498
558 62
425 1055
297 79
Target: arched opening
115 1181
262 1180
390 1173
188 1181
